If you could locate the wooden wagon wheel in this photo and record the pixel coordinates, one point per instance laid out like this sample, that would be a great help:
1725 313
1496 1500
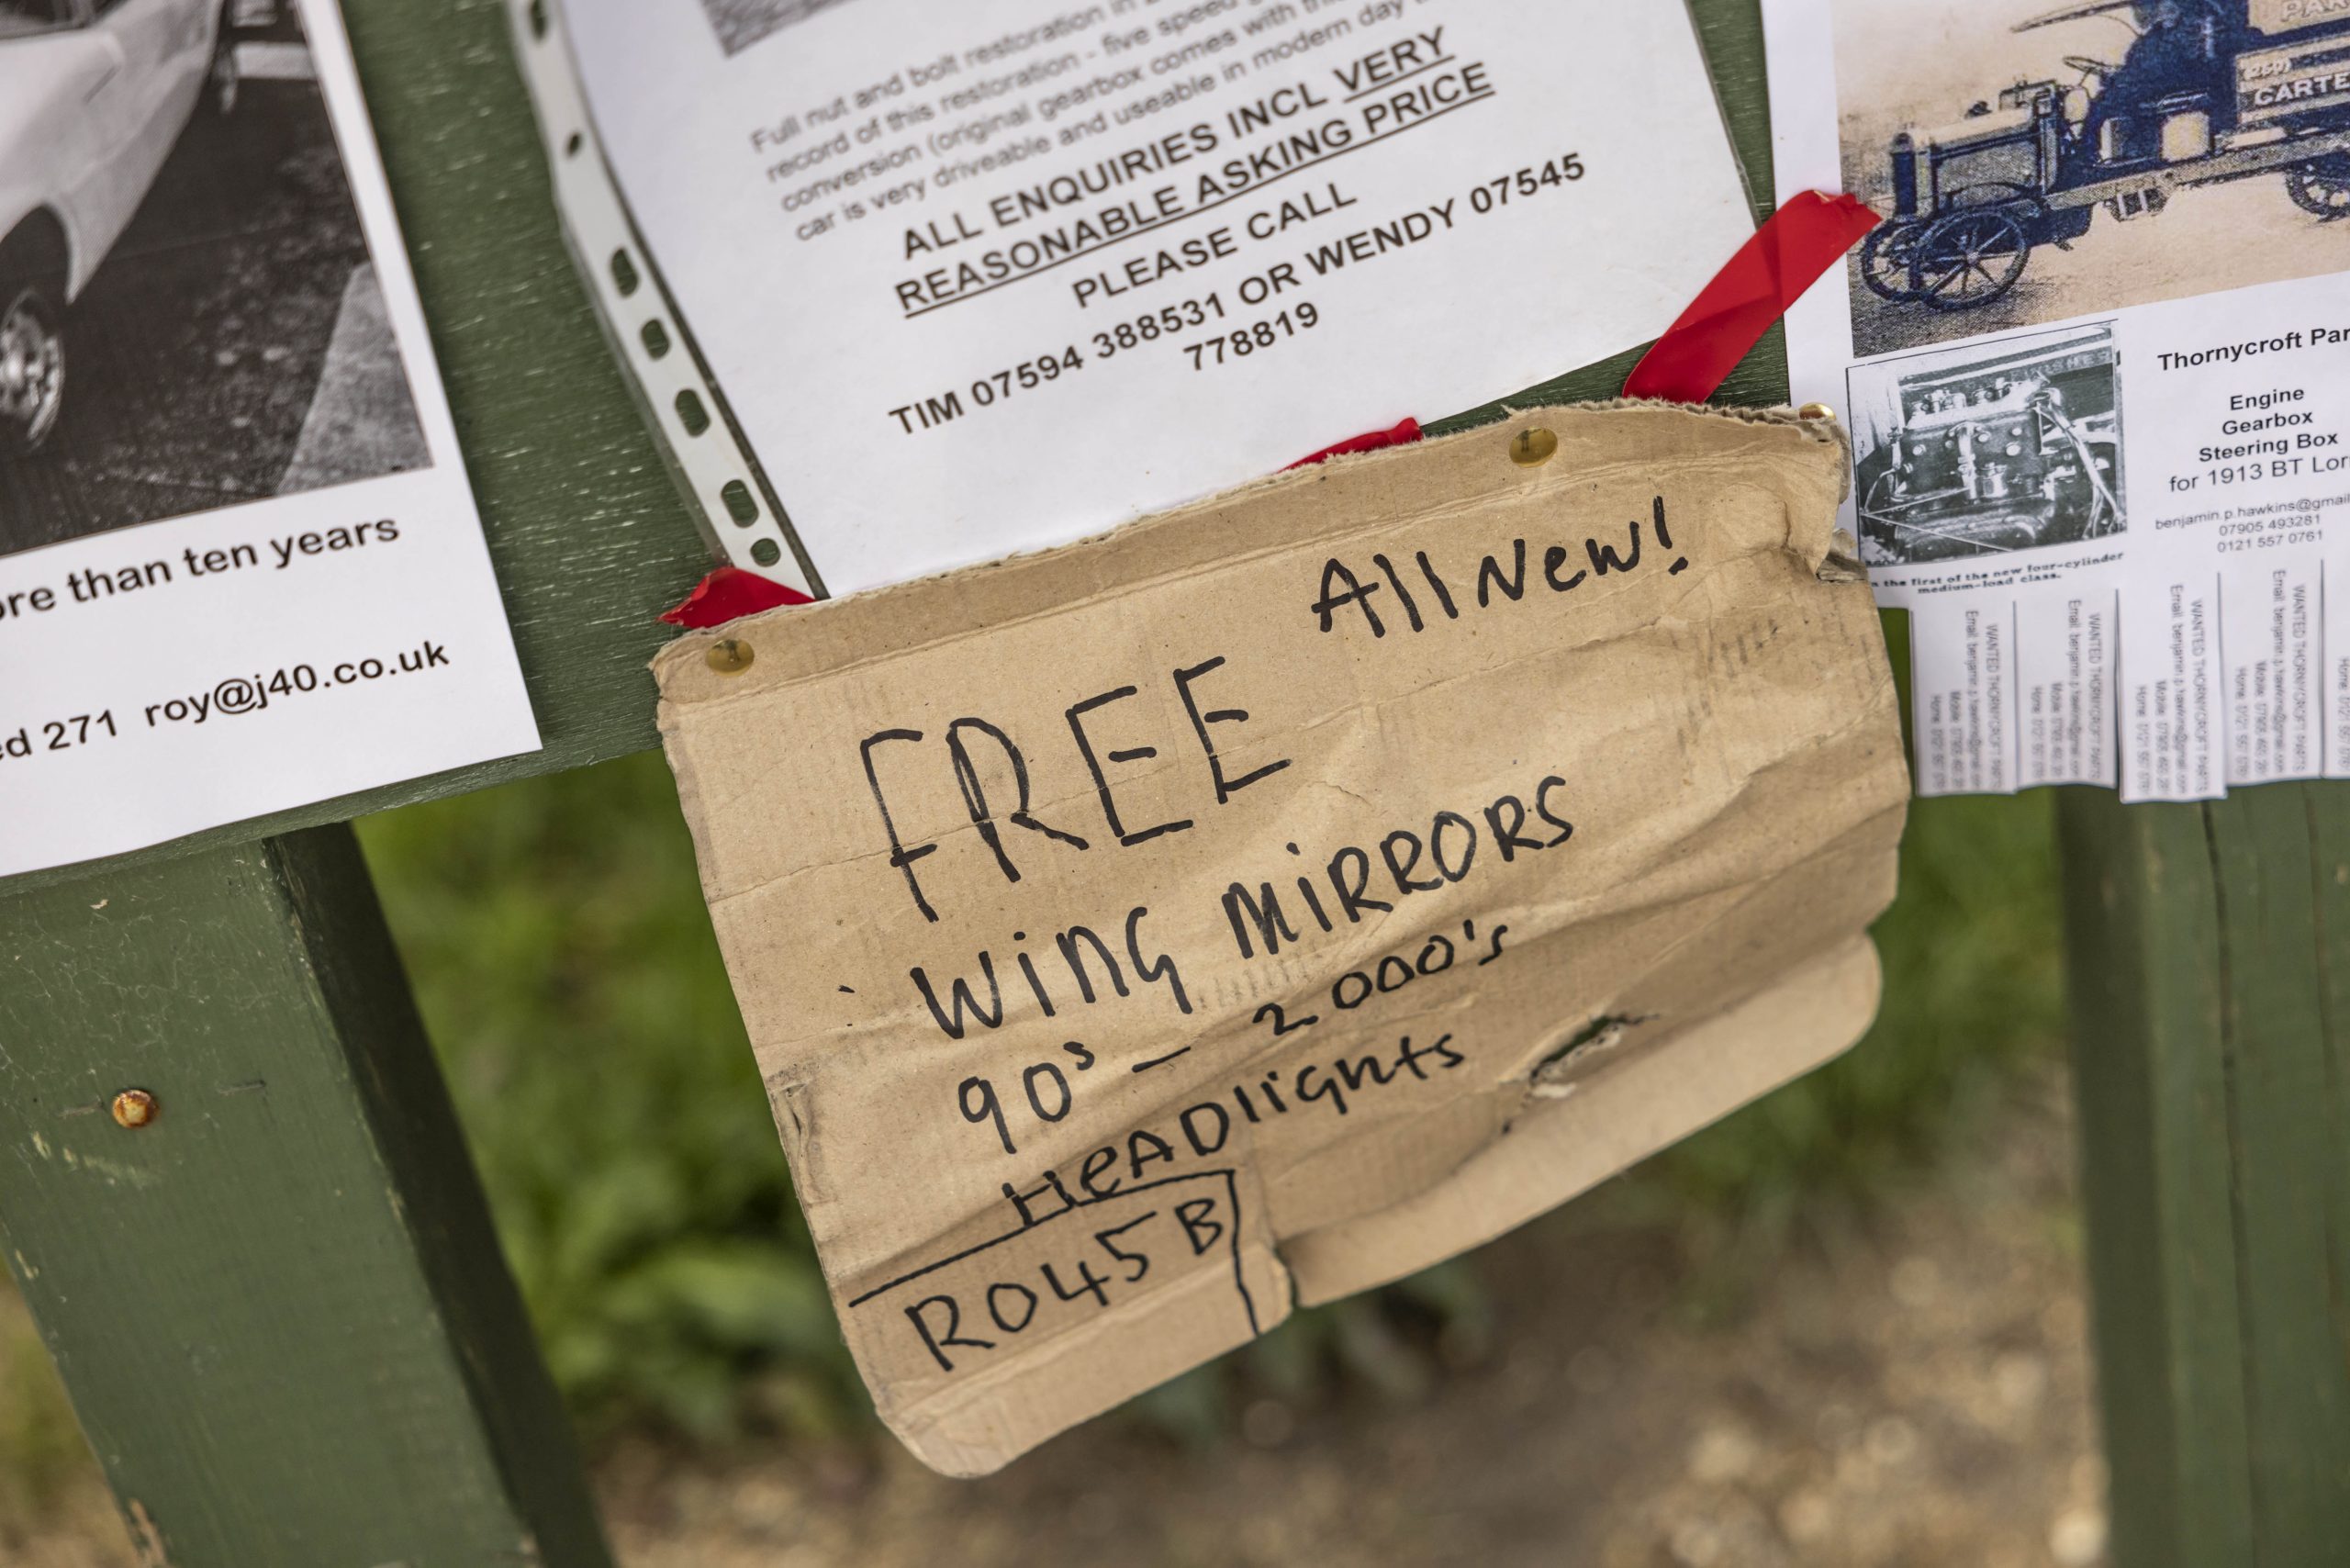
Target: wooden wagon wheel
1965 260
1886 257
2321 186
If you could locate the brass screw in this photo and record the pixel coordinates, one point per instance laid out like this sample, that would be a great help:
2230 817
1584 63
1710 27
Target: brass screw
134 1108
730 656
1817 411
1529 448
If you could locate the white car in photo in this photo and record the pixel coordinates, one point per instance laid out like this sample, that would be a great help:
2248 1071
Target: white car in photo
93 96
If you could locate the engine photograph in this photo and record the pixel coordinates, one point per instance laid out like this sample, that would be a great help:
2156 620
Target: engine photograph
1990 448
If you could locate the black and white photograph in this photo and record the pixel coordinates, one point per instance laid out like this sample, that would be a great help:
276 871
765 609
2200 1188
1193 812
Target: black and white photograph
2037 163
741 23
189 315
1989 448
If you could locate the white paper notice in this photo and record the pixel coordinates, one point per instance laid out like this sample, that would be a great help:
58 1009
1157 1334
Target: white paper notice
240 568
2097 368
983 277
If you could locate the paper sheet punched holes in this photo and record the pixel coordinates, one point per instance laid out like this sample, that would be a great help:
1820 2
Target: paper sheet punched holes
734 495
1530 448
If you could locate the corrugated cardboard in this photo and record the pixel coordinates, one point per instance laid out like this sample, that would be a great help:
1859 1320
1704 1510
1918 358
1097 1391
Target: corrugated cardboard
1271 898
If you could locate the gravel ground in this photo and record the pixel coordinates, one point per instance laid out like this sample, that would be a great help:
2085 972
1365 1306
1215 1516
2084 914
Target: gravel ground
1898 1390
1909 1389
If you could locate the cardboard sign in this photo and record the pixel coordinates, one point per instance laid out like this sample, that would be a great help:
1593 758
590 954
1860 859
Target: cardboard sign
1274 897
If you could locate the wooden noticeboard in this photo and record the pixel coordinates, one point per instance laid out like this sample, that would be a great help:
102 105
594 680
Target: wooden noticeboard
281 1310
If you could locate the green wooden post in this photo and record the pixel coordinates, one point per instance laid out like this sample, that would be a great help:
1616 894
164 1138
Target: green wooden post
2210 957
288 1332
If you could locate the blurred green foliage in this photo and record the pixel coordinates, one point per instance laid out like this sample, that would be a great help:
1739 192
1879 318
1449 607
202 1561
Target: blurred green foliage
556 937
41 1450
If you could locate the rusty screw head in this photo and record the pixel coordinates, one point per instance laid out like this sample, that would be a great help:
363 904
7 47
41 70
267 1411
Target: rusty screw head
135 1108
1531 447
730 656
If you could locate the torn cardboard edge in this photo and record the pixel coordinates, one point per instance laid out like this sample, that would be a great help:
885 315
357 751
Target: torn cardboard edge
1562 1145
1556 1149
1011 587
1741 893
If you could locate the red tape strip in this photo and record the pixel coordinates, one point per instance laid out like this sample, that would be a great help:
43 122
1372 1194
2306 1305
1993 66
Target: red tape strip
1785 256
728 594
1371 440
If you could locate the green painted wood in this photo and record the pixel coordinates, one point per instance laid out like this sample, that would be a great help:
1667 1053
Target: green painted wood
282 1312
280 1308
2141 926
2210 953
2289 1166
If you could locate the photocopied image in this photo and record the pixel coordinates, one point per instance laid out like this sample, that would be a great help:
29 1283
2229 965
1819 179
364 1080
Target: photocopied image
242 569
1989 448
741 23
189 315
2037 163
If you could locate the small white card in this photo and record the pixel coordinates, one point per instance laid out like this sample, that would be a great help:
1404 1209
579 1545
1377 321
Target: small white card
241 567
981 277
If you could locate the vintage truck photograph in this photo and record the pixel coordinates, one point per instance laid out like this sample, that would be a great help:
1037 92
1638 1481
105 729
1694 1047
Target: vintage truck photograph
2028 159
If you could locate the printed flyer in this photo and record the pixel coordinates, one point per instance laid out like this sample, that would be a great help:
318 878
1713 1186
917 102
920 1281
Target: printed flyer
2096 364
240 568
977 279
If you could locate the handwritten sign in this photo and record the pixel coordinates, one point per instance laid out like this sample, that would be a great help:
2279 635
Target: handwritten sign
1271 898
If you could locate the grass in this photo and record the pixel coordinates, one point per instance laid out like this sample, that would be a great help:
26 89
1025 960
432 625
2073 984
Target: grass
1973 988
